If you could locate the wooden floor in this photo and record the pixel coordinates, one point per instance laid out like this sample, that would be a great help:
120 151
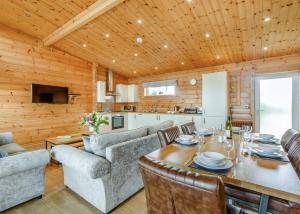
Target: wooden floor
61 200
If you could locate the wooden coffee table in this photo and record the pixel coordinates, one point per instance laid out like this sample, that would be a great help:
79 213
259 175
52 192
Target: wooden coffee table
75 141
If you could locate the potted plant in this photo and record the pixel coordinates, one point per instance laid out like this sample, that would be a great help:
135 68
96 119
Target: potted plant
92 120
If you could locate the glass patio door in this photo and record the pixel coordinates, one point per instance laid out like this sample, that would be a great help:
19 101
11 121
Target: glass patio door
277 103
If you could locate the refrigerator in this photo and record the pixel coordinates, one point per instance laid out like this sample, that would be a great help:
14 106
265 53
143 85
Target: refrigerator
214 99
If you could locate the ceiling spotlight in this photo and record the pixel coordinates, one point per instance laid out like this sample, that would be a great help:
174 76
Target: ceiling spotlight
113 61
267 19
166 46
189 1
84 45
265 48
182 63
207 35
139 40
218 57
107 35
155 68
134 72
139 21
136 54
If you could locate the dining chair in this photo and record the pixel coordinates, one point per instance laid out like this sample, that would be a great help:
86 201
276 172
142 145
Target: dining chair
188 128
171 190
288 138
294 156
168 135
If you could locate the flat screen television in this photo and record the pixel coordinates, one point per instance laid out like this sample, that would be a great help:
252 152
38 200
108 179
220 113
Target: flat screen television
49 94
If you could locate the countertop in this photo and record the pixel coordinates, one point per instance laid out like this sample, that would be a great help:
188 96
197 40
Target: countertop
123 112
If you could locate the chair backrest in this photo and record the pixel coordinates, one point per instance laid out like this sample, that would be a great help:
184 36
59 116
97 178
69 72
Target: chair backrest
168 135
6 138
294 156
170 190
188 128
240 123
288 139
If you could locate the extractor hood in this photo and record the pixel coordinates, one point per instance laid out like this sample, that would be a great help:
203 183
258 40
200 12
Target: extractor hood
110 84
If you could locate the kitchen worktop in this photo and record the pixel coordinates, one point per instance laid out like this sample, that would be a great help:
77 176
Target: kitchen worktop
123 112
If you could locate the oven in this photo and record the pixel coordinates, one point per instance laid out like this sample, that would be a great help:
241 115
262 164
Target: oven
117 121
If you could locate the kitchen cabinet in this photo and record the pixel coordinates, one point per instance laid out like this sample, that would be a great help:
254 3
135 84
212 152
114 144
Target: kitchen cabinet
122 91
101 90
133 95
127 93
214 99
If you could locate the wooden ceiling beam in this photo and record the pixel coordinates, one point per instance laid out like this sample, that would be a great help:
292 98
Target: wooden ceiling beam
92 12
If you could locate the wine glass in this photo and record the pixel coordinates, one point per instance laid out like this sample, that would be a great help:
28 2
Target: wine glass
228 146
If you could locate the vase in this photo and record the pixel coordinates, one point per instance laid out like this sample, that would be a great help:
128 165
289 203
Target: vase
87 143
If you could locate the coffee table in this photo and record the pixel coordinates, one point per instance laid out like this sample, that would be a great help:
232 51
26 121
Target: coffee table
75 141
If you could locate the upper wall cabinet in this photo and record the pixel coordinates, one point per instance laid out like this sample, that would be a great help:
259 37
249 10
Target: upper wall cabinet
127 93
133 95
122 90
101 92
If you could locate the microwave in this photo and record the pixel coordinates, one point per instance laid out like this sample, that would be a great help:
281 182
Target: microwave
129 108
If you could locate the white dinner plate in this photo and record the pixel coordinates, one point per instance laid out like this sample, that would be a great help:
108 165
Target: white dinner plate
228 164
188 143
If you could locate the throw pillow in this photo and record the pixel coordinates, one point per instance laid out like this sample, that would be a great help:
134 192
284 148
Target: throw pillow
3 153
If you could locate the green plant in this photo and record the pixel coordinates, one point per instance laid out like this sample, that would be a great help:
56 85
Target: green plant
94 120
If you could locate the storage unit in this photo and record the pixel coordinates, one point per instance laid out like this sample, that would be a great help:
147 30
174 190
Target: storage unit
101 92
214 99
127 93
133 95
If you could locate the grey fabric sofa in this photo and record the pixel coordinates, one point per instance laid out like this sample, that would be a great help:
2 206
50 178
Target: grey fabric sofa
107 179
22 173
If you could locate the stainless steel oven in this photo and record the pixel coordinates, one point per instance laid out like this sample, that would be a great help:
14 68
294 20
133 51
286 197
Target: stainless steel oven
117 121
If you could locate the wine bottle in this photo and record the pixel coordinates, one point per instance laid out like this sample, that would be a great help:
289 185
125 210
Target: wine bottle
228 128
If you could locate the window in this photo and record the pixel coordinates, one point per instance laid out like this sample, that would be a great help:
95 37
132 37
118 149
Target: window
160 88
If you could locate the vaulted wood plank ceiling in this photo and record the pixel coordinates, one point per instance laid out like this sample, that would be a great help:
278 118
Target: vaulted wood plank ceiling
177 34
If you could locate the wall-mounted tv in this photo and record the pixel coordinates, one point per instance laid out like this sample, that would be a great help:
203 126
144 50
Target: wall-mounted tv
49 94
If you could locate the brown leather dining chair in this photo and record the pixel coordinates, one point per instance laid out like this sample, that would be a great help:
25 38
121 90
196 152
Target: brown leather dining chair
170 190
168 135
188 128
288 138
294 156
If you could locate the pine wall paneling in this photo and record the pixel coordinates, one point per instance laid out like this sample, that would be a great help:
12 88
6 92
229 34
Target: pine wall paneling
23 62
241 85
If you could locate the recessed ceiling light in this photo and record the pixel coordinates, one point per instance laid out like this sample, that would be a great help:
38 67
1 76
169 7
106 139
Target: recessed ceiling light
189 1
267 19
139 21
84 45
166 46
155 68
113 61
134 72
107 35
139 40
207 35
182 63
136 54
265 48
218 57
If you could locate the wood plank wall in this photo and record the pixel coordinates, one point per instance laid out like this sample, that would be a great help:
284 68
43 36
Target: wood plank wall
23 62
241 85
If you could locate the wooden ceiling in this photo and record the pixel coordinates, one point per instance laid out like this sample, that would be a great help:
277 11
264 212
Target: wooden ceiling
237 31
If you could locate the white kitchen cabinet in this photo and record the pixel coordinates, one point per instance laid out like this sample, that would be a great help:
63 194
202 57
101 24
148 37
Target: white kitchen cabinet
198 120
133 95
122 91
178 119
214 99
101 90
132 123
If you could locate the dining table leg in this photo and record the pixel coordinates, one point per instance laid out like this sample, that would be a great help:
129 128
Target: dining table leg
263 204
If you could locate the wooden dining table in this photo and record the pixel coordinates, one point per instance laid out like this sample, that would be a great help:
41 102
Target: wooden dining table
268 177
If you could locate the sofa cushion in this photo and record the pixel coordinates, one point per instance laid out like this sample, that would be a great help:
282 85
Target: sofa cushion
163 125
99 143
3 153
6 138
12 149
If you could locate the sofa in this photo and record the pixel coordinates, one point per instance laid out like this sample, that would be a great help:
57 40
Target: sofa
22 173
110 174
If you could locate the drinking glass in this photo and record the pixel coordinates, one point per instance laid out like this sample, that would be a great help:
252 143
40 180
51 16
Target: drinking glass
228 146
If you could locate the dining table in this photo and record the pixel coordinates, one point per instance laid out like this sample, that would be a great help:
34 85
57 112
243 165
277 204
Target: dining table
268 177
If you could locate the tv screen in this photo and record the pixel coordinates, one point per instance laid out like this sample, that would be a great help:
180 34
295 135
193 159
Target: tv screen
49 94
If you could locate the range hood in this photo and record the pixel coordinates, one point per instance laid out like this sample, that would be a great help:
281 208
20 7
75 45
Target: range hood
110 84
